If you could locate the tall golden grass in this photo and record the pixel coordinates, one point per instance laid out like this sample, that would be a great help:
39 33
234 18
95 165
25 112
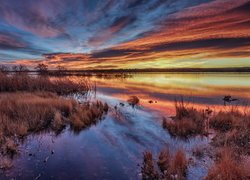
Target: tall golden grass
25 113
233 130
228 167
25 82
187 122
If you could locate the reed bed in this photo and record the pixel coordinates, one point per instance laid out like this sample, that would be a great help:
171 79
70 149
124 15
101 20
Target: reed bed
231 130
228 167
25 82
187 122
24 113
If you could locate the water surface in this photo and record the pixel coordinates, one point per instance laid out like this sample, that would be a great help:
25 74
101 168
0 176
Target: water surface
114 147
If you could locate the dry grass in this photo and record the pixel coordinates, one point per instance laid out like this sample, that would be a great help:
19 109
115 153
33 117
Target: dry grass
148 169
24 82
228 168
187 122
170 166
233 129
25 113
173 166
179 165
226 120
87 115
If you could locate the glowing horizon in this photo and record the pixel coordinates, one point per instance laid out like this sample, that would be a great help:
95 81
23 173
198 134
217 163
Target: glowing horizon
95 34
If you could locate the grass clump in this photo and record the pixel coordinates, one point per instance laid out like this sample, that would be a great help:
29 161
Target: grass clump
88 114
227 167
226 120
148 168
169 166
187 122
232 129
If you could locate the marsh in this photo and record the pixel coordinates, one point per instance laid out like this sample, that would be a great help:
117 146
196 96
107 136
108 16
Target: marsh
114 147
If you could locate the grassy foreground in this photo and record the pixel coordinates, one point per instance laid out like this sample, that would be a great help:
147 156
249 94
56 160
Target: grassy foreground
35 104
230 143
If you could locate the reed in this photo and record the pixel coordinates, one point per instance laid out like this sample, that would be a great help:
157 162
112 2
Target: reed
169 166
25 82
25 113
187 122
227 167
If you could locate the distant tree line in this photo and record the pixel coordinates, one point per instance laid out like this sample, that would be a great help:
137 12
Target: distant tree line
41 69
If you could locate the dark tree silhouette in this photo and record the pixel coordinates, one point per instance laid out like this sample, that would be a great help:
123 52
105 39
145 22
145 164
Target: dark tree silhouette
42 69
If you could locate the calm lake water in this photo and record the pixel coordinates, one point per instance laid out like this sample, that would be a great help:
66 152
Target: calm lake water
200 90
113 149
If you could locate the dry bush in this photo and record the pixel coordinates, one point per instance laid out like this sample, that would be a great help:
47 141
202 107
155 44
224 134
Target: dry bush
25 82
228 168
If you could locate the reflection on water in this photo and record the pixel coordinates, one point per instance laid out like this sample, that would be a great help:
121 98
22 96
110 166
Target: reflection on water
109 150
199 89
113 148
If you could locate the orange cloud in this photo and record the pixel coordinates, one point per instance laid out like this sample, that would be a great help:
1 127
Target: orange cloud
209 35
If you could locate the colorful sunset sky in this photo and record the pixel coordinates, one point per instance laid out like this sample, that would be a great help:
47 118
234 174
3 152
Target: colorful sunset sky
114 34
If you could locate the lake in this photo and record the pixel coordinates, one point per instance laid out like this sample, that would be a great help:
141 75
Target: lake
114 147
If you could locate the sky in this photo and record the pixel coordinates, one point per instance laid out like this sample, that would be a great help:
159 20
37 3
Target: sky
128 34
